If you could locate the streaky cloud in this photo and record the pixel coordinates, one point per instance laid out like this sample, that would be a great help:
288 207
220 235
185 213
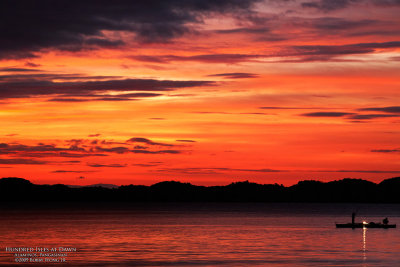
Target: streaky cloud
336 50
235 75
372 116
18 70
326 114
22 161
118 150
391 109
18 86
386 150
275 107
213 170
69 171
204 58
167 151
94 165
328 5
146 141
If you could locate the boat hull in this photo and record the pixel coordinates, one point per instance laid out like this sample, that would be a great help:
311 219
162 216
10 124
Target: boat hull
362 225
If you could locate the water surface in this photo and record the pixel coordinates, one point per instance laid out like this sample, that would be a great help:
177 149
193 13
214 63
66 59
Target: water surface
204 234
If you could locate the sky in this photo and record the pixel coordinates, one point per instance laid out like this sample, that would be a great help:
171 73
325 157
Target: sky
201 91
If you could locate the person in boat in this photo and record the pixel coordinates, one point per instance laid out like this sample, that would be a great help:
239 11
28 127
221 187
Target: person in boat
385 221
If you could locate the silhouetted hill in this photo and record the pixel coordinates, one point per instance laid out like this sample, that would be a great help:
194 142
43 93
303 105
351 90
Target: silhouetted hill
389 189
345 190
14 182
395 181
17 187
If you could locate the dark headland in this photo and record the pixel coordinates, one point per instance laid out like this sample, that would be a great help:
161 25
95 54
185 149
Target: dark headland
346 190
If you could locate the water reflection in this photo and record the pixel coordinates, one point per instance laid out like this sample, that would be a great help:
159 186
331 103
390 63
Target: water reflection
364 243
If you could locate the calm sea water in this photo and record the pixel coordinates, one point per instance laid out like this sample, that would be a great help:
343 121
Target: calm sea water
204 234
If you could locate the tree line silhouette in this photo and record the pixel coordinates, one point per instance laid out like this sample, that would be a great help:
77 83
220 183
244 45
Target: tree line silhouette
346 190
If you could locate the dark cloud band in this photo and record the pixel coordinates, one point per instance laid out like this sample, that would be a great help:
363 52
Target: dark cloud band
27 26
43 84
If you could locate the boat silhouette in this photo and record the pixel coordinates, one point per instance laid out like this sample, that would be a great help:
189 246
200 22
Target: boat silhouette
384 224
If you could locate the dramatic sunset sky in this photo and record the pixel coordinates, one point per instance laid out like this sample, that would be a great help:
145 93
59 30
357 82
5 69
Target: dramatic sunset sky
201 91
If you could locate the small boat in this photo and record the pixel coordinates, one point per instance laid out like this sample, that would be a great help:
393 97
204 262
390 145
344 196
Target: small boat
385 224
365 225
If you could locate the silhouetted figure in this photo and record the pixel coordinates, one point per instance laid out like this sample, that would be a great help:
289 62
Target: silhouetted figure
385 221
353 216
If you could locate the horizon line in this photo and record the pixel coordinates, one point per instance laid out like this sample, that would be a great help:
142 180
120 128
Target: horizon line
233 182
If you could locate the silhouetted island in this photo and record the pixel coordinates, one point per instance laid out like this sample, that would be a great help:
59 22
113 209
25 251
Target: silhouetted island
346 190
